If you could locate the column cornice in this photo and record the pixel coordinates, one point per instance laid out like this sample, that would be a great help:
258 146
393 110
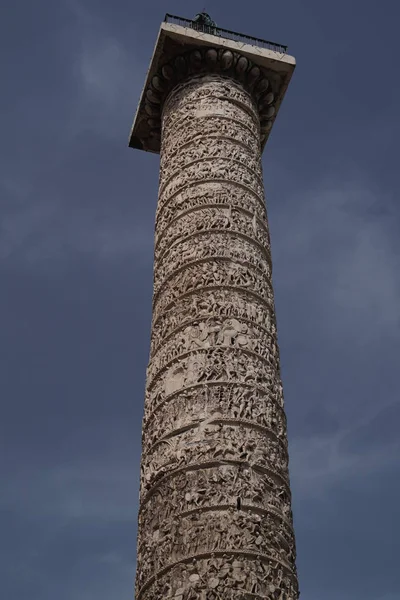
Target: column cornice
208 61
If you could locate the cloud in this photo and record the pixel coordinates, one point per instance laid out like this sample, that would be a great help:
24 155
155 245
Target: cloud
102 70
321 462
56 208
79 526
109 78
34 230
84 491
336 259
337 248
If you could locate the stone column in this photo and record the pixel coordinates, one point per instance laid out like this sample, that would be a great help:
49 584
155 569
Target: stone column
215 518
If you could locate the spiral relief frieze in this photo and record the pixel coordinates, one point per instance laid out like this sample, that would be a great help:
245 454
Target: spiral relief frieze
217 303
192 149
212 170
210 219
204 333
201 245
199 150
215 334
205 273
188 491
227 573
238 134
212 364
200 405
223 393
215 515
263 534
219 272
204 195
216 441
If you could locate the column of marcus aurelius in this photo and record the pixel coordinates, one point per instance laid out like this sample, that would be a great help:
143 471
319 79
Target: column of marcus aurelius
215 520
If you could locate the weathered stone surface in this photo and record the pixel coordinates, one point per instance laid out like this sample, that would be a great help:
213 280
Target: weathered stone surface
215 517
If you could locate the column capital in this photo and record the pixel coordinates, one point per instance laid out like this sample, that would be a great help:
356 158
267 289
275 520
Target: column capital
182 52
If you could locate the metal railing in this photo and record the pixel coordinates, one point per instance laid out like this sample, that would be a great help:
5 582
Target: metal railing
226 33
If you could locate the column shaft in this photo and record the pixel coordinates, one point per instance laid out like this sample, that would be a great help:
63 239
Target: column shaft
215 517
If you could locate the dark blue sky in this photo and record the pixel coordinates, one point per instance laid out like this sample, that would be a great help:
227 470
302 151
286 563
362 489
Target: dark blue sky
76 234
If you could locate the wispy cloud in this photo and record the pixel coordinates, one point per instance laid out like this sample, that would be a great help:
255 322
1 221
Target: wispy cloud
109 77
39 221
337 246
93 491
34 230
337 264
321 462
